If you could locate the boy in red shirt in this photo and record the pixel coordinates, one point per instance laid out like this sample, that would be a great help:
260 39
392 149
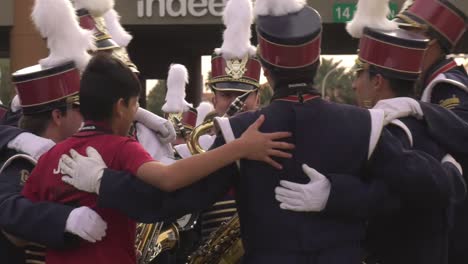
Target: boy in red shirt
109 99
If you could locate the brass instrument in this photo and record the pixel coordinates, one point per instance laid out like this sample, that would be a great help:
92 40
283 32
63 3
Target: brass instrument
145 241
235 107
193 143
151 241
176 120
168 238
224 246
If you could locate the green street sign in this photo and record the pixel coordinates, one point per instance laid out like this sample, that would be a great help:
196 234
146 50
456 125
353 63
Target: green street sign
344 12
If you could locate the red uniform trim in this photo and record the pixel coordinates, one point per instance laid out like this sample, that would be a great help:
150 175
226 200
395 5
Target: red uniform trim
189 118
87 22
296 99
445 68
390 56
49 88
440 17
218 68
289 56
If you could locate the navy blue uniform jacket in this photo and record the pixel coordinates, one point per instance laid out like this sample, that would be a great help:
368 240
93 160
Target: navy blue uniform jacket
332 138
42 223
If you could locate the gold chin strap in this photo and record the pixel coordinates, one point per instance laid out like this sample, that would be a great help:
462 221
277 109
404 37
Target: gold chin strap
367 104
359 65
410 23
74 99
362 66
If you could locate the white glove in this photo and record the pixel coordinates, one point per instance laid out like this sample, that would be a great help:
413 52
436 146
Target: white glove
451 159
84 173
152 143
206 141
86 224
310 197
156 123
31 144
183 151
399 107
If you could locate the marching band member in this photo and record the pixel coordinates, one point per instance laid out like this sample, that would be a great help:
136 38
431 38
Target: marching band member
49 101
100 17
443 83
108 101
358 145
235 71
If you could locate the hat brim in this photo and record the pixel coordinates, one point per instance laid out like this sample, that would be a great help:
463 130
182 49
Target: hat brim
232 87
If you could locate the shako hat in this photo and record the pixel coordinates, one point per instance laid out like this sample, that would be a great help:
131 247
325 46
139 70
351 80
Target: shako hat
289 33
55 81
234 66
394 52
443 19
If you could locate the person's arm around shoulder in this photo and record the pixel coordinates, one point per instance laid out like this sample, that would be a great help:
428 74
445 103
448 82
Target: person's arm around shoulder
42 222
252 145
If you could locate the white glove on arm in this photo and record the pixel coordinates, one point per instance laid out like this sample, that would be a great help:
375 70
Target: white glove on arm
399 107
31 144
84 173
152 143
156 123
86 224
310 197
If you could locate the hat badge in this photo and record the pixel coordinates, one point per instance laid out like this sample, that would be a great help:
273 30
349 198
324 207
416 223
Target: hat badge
236 68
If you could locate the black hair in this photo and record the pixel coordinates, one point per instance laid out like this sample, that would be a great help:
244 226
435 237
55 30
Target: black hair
104 81
400 87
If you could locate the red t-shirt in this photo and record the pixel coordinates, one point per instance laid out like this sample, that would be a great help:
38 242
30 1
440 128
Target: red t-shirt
45 184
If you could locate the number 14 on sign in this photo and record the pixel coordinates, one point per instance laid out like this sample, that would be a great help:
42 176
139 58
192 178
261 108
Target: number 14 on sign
344 12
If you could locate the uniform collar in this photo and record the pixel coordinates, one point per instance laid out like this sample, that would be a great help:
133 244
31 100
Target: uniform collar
294 92
440 67
298 99
94 127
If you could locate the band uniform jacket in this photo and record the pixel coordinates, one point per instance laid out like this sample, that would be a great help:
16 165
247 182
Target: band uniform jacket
329 137
43 223
447 85
414 233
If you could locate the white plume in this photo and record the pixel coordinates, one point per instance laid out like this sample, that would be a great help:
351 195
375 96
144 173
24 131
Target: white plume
56 20
177 78
278 7
118 33
95 7
238 18
370 13
202 111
